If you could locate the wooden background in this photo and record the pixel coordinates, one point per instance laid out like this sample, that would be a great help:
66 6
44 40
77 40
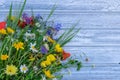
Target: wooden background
99 37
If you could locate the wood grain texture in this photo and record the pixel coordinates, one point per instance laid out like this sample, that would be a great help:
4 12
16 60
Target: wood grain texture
99 37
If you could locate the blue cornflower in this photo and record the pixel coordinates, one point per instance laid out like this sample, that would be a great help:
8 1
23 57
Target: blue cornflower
49 32
57 27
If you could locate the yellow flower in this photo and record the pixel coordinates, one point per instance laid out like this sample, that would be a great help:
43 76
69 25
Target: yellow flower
4 57
50 39
47 62
10 30
43 64
48 74
32 58
51 57
11 70
18 45
58 48
3 31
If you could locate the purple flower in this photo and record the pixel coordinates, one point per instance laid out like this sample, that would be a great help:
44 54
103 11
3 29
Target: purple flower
24 15
26 18
44 50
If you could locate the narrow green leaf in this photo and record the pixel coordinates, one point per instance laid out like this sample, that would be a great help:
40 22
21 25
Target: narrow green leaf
51 12
9 16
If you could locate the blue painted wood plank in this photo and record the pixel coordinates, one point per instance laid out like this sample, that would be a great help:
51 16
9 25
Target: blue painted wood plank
103 5
99 37
87 20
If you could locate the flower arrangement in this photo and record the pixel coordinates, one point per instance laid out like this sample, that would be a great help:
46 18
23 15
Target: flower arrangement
29 51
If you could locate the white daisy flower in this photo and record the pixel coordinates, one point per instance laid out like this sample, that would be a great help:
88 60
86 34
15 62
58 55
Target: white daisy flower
32 47
35 68
37 24
23 68
29 36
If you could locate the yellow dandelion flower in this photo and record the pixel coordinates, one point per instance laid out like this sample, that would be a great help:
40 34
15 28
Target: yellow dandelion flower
4 57
51 57
48 74
18 45
10 30
58 48
3 31
11 70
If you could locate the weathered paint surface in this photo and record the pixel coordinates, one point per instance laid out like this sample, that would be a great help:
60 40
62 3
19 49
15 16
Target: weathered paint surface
99 37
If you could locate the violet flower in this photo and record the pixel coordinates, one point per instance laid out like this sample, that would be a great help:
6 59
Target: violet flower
44 50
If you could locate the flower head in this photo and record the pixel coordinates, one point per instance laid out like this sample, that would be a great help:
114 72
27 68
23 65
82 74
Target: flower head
35 68
11 70
29 36
31 58
3 31
18 45
22 24
48 74
4 57
23 68
57 26
58 48
10 30
65 55
2 25
43 64
32 47
43 50
47 62
51 58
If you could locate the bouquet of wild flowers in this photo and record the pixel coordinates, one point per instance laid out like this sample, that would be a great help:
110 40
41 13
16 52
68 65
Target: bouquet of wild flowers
28 49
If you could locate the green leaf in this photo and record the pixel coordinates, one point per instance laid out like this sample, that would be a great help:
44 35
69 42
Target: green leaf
79 65
9 16
51 12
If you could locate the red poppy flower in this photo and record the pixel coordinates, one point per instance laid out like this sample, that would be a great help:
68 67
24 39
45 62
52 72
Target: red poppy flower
65 55
2 25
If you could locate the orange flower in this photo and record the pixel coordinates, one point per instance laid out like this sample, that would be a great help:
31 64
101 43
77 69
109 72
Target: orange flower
4 57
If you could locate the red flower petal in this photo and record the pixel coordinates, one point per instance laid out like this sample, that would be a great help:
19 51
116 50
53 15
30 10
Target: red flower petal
2 25
65 55
22 24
